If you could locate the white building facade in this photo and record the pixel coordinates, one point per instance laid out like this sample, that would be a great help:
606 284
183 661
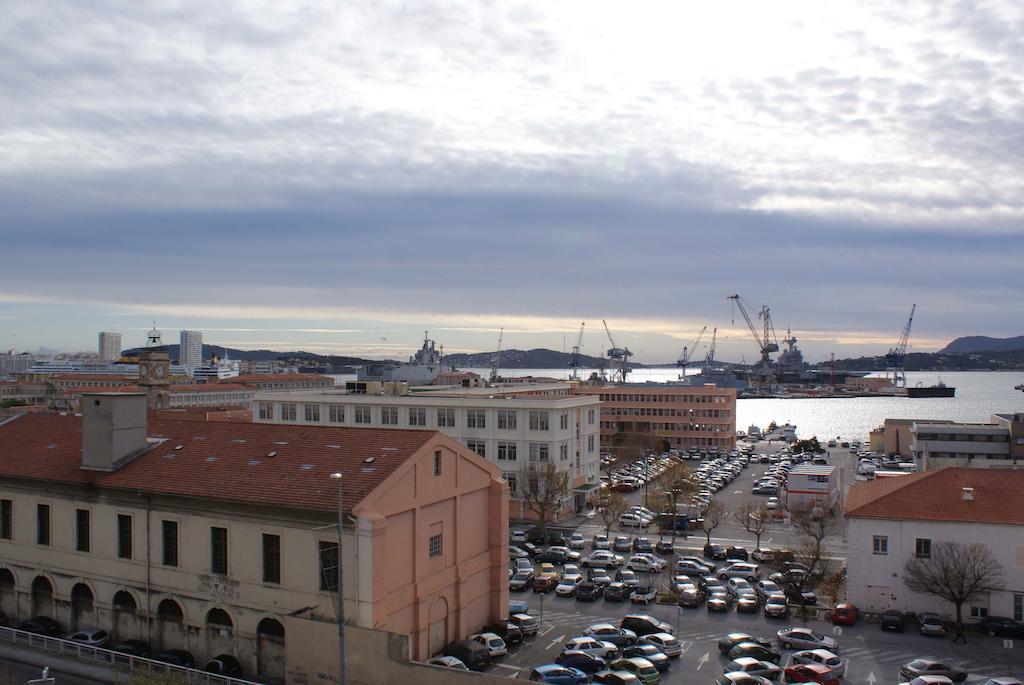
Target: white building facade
109 346
514 432
999 443
190 350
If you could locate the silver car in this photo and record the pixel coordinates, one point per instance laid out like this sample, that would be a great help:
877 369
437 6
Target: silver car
805 638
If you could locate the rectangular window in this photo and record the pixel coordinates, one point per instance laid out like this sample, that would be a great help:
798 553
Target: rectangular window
266 411
312 412
218 550
6 519
170 543
506 451
336 413
271 558
389 416
506 419
538 420
923 548
288 412
417 416
590 416
476 418
979 612
434 546
82 530
563 452
538 453
446 418
328 566
478 446
42 524
437 463
1018 607
124 536
563 420
880 544
513 482
590 443
363 415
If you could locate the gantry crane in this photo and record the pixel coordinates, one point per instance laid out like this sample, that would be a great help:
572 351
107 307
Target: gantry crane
618 354
684 358
709 358
895 359
496 359
574 360
767 341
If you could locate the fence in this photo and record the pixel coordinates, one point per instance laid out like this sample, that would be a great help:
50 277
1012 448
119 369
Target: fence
112 659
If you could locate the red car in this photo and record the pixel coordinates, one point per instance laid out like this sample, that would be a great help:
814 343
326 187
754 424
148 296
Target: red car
811 673
845 614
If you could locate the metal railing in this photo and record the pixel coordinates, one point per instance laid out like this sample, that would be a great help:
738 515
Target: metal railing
112 659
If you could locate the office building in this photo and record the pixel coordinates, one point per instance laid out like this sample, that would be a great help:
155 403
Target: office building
110 346
190 350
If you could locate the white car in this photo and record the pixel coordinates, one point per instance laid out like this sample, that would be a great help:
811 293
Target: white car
666 642
571 572
494 644
633 521
448 662
576 541
646 563
567 588
601 541
740 569
752 666
643 511
592 646
602 559
805 638
822 657
518 536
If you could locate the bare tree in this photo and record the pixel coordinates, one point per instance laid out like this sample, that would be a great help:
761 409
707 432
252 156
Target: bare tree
755 519
544 490
956 573
832 586
813 528
713 518
610 508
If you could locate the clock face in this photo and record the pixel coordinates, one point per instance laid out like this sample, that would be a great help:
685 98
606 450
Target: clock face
160 371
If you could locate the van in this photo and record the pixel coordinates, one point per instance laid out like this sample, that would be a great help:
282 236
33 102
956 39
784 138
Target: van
473 654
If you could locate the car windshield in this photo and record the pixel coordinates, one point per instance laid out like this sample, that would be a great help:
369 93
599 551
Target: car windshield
815 636
917 664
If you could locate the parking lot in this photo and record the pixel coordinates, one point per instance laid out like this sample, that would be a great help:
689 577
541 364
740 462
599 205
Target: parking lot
871 654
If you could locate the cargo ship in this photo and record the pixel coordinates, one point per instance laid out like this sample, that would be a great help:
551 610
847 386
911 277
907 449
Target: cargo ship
940 389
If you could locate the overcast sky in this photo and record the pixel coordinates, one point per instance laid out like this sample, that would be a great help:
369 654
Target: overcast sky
340 176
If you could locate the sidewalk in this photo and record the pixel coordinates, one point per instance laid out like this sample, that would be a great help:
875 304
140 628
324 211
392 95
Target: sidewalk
59 664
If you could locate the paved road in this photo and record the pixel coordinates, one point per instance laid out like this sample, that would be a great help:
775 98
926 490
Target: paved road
15 672
873 656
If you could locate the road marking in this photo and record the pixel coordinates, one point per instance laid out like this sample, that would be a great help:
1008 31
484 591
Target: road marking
1007 644
516 674
545 631
555 641
837 630
703 660
737 492
509 667
871 678
684 645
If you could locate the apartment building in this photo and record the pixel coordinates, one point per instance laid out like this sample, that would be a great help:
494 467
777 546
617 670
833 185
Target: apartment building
284 382
516 431
221 537
892 520
190 349
681 415
109 346
999 443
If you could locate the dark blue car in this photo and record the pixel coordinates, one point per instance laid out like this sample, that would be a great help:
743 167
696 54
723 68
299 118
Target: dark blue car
558 675
584 661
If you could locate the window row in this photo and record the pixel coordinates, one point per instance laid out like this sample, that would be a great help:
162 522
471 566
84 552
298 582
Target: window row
664 399
507 419
922 546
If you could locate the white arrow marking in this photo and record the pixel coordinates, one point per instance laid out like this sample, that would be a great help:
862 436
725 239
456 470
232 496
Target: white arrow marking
545 631
737 492
514 675
703 660
1008 644
871 678
837 630
556 641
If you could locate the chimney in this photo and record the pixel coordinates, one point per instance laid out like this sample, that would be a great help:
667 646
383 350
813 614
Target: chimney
968 494
113 429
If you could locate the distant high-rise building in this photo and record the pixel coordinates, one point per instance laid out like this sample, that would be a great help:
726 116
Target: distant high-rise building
191 351
110 346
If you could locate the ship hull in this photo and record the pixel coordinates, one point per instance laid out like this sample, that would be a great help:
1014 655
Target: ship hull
931 392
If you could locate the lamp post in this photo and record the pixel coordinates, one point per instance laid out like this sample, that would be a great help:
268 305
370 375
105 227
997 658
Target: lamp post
341 593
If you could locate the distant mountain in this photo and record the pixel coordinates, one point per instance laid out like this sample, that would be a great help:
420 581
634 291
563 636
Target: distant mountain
1012 360
983 343
525 359
297 358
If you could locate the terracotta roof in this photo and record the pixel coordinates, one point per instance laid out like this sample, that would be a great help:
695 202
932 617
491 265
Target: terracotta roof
209 387
937 495
219 460
115 389
127 377
239 414
279 377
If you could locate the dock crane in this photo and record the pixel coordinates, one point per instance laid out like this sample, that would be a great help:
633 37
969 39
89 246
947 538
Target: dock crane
574 360
496 359
618 354
709 358
896 357
767 341
684 358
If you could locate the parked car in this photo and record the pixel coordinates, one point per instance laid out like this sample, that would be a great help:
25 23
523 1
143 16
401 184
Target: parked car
92 637
927 666
521 581
609 677
607 632
588 591
892 620
545 584
576 541
617 592
811 673
667 643
650 652
714 551
494 644
602 559
1000 625
599 576
776 606
691 568
132 648
718 600
622 544
627 577
556 674
517 552
823 657
537 537
567 586
689 594
176 657
638 666
643 624
733 639
845 614
448 662
738 678
224 664
600 541
507 631
474 655
746 664
518 606
929 623
643 594
756 651
553 555
517 536
594 645
40 625
633 521
763 556
647 563
664 547
737 553
798 596
526 623
930 680
805 638
584 661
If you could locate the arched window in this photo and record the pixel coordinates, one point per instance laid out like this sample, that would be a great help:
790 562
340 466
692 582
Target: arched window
41 586
220 618
124 601
270 627
169 610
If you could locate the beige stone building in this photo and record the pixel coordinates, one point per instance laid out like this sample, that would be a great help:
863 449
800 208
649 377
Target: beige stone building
221 537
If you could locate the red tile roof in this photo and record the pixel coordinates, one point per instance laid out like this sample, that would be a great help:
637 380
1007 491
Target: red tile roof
219 460
280 377
239 414
937 495
209 387
127 378
115 389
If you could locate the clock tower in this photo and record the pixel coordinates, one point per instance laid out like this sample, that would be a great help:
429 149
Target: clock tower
155 372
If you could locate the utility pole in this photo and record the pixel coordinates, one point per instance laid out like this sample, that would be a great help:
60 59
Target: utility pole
341 594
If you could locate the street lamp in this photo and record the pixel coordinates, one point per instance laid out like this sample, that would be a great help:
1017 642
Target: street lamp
341 594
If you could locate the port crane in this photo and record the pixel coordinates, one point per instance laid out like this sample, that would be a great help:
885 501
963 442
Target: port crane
574 360
766 340
895 359
684 358
618 354
496 359
709 358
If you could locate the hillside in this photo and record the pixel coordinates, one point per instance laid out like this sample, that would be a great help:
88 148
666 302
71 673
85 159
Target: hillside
297 358
938 361
983 343
524 359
